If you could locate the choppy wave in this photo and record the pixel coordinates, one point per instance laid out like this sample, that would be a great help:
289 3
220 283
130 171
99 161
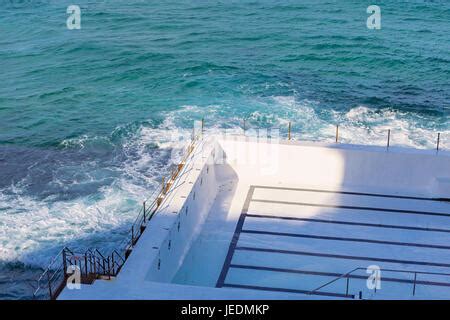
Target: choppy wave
34 229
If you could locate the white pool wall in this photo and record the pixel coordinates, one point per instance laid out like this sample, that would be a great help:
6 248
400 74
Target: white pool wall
339 166
191 215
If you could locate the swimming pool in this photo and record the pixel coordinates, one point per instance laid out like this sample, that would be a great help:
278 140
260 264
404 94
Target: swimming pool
312 226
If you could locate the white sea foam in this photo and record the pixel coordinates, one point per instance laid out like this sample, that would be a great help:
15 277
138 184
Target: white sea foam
361 125
33 230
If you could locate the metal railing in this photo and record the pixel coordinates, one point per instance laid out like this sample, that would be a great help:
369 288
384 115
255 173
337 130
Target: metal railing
51 278
414 283
152 204
92 264
337 135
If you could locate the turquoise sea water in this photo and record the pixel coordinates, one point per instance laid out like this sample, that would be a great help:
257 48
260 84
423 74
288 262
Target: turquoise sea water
87 116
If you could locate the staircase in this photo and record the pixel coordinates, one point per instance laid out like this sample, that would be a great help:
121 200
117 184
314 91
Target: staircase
85 267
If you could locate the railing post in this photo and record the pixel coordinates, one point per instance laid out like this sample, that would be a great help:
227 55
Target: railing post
438 140
113 264
389 138
49 285
64 262
414 288
90 263
244 127
144 210
203 122
289 131
132 236
163 187
93 265
346 290
337 133
85 264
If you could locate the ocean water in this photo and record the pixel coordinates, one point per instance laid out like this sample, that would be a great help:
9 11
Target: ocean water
88 117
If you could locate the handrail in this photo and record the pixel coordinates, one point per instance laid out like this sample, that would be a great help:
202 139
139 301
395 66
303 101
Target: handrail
91 262
337 135
41 279
52 261
116 253
334 280
156 199
347 275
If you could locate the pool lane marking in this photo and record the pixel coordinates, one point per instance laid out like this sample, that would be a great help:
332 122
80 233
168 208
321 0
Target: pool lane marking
363 224
339 256
310 236
351 193
235 239
244 213
352 207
